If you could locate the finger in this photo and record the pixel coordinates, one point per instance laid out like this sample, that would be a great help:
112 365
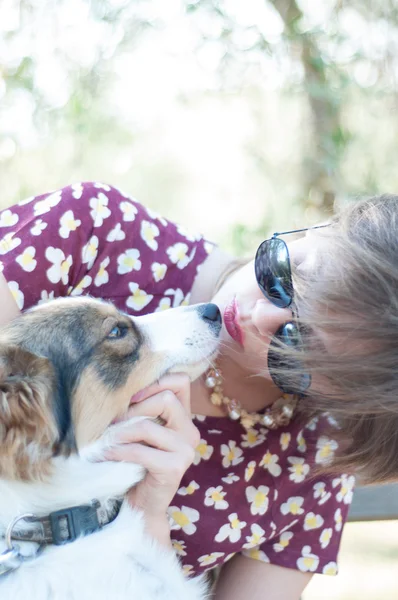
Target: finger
166 405
178 383
151 434
165 466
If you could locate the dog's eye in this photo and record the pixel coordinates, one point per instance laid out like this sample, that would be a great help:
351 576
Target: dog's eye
117 332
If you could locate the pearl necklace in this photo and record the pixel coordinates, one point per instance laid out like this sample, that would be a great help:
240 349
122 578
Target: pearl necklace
279 414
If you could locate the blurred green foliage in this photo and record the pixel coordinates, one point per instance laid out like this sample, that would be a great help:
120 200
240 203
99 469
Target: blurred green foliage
234 116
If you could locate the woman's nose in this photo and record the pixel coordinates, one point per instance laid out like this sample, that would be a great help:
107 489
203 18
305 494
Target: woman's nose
267 317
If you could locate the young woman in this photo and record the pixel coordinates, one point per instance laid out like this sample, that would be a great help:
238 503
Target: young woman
317 318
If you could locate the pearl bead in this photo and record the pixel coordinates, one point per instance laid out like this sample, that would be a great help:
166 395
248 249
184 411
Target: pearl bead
267 420
210 382
234 414
287 411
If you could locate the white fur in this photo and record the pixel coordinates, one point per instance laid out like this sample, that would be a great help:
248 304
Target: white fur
120 562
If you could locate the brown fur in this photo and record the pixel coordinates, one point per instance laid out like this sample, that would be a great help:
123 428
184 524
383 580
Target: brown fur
95 406
28 433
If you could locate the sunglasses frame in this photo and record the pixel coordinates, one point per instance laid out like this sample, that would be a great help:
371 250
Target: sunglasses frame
288 333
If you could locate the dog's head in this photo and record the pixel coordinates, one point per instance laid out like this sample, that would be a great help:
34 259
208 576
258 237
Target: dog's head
68 369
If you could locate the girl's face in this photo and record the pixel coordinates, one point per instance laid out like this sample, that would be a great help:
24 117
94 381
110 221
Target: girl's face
249 318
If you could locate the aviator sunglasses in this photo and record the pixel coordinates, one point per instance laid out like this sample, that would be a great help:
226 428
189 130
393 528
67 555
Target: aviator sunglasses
274 278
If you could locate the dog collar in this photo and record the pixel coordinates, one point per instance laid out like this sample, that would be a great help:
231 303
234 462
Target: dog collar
65 526
58 528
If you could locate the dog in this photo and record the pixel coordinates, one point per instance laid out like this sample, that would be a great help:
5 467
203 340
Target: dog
68 371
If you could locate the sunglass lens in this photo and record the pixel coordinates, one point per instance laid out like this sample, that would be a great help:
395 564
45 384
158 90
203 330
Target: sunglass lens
286 373
273 274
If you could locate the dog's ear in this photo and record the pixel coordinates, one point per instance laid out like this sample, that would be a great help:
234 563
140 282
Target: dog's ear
28 428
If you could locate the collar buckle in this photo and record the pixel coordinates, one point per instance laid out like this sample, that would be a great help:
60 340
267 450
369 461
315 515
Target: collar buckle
70 523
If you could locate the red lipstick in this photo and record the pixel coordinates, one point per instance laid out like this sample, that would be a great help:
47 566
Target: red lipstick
231 320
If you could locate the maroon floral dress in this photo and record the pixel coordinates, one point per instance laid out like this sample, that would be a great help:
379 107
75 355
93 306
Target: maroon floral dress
251 492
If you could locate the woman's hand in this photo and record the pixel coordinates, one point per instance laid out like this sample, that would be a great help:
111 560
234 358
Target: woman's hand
166 451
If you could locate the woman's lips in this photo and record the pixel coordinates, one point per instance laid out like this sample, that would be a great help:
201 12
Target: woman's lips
231 320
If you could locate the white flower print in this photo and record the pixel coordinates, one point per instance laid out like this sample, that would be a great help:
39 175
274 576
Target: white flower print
215 497
232 454
187 570
258 498
249 471
308 561
8 218
139 299
159 270
284 541
325 537
81 286
230 478
129 261
301 443
149 233
312 521
164 304
256 538
183 518
209 247
189 489
27 201
320 492
178 254
27 259
330 569
102 276
1 266
299 469
156 216
8 243
270 462
256 554
203 451
231 530
44 206
38 227
189 235
201 418
61 265
285 440
102 186
178 294
46 297
68 224
129 210
338 520
179 547
209 559
346 490
77 190
116 234
252 438
325 450
17 293
293 506
90 251
100 210
312 425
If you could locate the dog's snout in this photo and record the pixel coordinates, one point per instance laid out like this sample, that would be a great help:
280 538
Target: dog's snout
211 313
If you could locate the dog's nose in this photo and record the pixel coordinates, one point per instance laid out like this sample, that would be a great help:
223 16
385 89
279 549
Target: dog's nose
211 312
